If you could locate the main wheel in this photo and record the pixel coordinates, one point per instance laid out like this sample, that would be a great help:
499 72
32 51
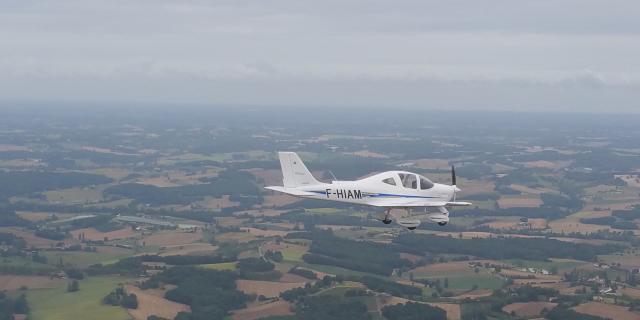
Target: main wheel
411 228
442 223
386 221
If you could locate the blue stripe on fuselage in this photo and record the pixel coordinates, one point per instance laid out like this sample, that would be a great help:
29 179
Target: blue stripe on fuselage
390 195
381 195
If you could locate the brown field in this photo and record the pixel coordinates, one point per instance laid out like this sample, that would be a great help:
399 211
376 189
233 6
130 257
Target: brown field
450 267
152 303
410 257
277 308
534 223
11 147
453 310
369 154
441 164
547 164
279 200
169 238
15 282
476 186
104 150
506 202
265 233
528 309
113 250
271 177
40 216
569 225
95 235
627 261
217 203
229 221
20 163
631 180
266 288
538 191
236 236
75 195
475 294
177 178
631 292
622 205
113 173
607 311
30 238
191 248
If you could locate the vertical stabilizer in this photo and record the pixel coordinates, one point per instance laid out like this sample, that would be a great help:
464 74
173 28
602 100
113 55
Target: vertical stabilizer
294 172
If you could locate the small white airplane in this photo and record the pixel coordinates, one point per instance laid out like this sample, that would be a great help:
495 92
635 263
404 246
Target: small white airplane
389 190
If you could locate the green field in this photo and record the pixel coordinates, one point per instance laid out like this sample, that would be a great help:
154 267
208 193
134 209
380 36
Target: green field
336 270
466 281
326 210
560 264
26 264
220 266
293 254
81 258
58 304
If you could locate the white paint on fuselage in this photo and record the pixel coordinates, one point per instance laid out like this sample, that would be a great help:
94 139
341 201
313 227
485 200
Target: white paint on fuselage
370 190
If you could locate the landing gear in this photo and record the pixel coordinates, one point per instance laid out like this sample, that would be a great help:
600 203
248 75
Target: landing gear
411 228
387 219
443 223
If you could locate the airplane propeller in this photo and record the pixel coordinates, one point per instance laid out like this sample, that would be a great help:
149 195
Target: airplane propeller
453 182
453 175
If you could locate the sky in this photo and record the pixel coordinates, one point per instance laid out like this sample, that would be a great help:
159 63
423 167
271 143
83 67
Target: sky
543 55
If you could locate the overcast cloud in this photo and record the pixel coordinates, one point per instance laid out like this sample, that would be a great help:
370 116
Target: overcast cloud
568 55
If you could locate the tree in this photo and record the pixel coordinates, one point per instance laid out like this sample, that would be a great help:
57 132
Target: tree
73 286
130 301
20 305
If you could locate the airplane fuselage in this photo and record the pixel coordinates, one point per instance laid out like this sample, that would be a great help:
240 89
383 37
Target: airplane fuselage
361 192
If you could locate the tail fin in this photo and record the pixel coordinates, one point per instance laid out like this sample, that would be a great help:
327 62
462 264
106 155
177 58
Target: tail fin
294 172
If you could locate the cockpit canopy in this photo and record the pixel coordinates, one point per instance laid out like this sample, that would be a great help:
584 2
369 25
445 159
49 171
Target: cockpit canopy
409 180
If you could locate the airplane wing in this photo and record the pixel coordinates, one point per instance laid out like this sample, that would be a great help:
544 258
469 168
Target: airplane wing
406 203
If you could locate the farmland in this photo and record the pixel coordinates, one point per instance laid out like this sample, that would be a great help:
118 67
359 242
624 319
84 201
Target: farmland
177 215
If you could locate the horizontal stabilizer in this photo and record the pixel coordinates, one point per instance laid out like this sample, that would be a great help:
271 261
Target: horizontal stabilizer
291 191
458 204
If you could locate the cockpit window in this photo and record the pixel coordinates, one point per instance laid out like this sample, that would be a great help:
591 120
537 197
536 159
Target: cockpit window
425 183
409 180
390 181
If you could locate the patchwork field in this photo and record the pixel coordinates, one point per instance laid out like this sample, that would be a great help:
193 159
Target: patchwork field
530 201
16 282
152 302
82 258
75 195
607 311
58 304
266 288
95 235
460 275
528 309
277 308
169 238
